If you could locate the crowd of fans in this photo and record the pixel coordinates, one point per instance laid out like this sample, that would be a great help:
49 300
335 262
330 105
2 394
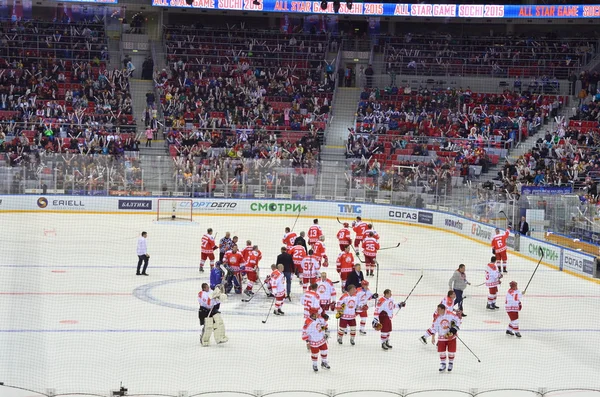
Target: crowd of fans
60 98
501 56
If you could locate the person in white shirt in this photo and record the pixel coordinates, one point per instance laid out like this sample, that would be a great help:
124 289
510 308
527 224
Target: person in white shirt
142 253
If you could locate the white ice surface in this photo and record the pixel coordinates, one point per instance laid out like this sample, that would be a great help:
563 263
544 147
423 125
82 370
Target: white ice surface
75 318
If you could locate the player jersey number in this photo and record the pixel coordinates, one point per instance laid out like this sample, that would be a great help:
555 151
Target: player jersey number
313 233
370 247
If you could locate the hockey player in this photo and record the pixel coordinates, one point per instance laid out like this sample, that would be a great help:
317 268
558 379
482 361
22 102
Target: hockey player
251 269
384 312
278 287
448 302
288 238
346 313
247 249
343 236
446 325
492 281
319 251
326 292
370 246
234 260
513 306
370 230
314 232
310 268
298 253
363 294
499 248
207 250
311 299
314 334
359 227
344 265
210 318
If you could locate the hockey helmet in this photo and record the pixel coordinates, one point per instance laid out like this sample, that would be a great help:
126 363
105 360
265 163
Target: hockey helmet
513 284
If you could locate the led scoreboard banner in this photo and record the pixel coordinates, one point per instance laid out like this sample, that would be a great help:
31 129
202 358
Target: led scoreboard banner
391 10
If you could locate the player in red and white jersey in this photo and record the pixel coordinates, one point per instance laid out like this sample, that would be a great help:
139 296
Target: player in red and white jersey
310 268
359 228
251 268
448 302
319 251
370 246
298 253
311 299
513 306
345 265
326 292
344 237
288 238
234 260
208 247
363 294
446 325
314 334
314 232
370 230
492 281
384 312
278 287
499 248
247 249
346 312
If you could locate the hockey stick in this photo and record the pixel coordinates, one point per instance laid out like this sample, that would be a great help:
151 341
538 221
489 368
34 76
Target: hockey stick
338 219
297 216
357 254
411 291
389 248
262 286
474 355
479 285
505 217
377 277
272 302
541 251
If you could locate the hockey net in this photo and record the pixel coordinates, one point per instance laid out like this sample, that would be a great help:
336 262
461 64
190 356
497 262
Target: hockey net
174 210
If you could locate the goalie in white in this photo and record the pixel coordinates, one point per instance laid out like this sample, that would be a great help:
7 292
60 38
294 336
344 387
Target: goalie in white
209 315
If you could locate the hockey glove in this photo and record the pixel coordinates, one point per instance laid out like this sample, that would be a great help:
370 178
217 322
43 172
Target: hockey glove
520 306
375 295
325 316
402 304
376 325
338 315
493 251
453 331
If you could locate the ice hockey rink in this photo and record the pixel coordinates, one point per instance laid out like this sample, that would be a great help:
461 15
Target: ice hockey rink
76 319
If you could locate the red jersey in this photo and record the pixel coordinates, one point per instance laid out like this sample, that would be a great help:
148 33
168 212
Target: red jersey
319 250
252 261
499 241
314 232
343 237
370 247
207 244
345 262
297 252
288 239
246 251
360 228
234 260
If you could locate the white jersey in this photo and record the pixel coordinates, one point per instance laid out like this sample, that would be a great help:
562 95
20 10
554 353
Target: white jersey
311 267
349 302
492 275
277 283
311 299
313 332
205 300
326 291
442 325
385 305
513 300
362 296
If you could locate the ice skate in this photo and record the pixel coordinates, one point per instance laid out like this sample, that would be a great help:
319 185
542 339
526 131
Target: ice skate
489 307
325 365
315 368
422 339
509 332
352 341
340 340
442 367
384 346
494 306
518 334
281 313
201 270
362 332
450 365
387 343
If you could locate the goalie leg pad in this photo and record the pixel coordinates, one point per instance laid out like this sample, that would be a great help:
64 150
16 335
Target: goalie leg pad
219 329
208 330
